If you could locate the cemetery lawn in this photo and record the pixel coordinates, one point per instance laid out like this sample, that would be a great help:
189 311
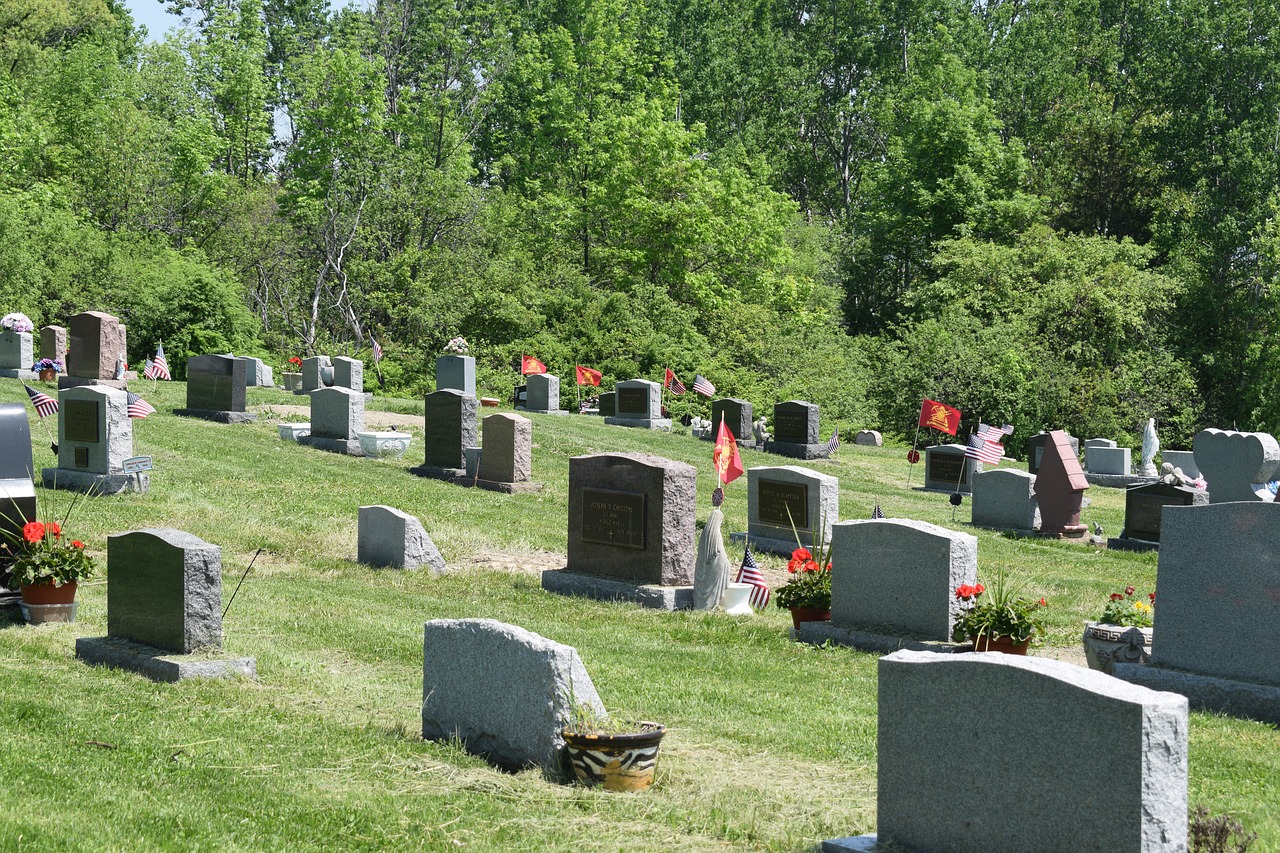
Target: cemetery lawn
772 745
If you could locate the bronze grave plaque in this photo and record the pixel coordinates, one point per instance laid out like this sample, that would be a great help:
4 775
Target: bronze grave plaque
950 468
632 401
82 457
613 518
80 421
775 498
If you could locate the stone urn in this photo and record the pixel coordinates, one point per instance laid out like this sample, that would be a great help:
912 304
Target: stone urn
380 445
1106 645
291 381
293 432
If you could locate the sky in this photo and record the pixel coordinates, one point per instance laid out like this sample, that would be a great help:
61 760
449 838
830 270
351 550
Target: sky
151 14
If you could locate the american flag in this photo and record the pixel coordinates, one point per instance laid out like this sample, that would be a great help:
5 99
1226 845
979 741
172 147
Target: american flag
703 387
377 350
750 573
672 383
877 512
138 407
833 443
985 446
159 368
45 405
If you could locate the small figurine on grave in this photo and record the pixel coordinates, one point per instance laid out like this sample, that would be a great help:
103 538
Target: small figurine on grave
758 429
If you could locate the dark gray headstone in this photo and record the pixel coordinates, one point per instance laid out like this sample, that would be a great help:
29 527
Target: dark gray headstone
216 383
608 404
795 422
450 428
737 415
947 469
165 590
17 488
1035 449
1144 507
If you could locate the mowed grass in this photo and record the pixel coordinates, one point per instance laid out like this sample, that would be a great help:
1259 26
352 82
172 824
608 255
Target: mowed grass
771 745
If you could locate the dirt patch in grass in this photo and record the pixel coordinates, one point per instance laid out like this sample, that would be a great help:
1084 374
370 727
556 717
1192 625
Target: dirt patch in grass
372 420
522 563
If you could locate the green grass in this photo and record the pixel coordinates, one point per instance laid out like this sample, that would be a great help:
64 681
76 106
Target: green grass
771 744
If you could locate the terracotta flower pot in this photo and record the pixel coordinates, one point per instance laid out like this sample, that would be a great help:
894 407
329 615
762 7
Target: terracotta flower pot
619 762
47 593
809 614
48 374
1003 644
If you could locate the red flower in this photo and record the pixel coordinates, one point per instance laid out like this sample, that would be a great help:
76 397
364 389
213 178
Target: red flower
294 360
1151 595
964 592
1128 590
76 543
55 529
33 532
1115 596
979 589
801 554
1044 603
791 567
810 566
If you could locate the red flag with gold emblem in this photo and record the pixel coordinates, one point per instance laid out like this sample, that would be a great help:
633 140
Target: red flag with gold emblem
530 365
728 462
939 416
587 376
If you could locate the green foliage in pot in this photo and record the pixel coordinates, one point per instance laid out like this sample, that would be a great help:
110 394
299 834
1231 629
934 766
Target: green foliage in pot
1129 611
1003 614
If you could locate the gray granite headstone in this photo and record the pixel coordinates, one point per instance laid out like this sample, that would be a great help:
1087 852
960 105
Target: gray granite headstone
1108 460
1035 449
53 344
1182 459
504 692
795 431
637 403
337 413
1104 768
811 497
165 590
631 517
317 373
348 373
1236 465
508 448
17 489
216 383
737 416
608 404
899 576
95 434
97 343
542 394
17 350
457 373
1005 500
388 537
450 427
1144 507
947 469
869 438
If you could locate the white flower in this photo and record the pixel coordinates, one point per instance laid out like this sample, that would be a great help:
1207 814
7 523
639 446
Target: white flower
17 322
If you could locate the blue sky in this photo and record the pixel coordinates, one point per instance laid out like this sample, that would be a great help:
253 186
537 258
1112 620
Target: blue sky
151 14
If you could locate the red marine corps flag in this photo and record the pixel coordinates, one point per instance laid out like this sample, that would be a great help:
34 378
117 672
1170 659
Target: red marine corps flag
587 376
939 416
530 365
728 462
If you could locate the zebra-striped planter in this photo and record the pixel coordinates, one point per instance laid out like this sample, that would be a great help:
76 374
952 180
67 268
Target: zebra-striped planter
619 762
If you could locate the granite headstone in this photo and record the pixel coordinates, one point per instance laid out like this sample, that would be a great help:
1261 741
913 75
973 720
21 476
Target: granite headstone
1236 465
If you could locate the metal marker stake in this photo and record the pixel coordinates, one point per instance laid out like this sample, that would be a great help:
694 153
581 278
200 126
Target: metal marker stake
242 577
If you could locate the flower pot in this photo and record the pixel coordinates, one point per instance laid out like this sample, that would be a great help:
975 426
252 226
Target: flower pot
48 374
1003 644
736 599
809 614
619 762
292 381
1106 645
378 445
47 593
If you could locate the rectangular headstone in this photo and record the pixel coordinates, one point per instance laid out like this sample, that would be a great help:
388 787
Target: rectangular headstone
811 498
348 373
737 415
457 373
216 383
1005 754
165 590
53 344
17 350
450 428
608 404
317 373
1108 460
1144 507
1182 459
504 692
1005 500
542 393
637 398
900 576
946 469
795 422
1035 450
256 373
97 343
337 413
95 434
388 537
17 489
508 449
631 516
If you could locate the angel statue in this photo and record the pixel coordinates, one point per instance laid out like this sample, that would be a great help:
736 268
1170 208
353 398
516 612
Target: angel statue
1150 447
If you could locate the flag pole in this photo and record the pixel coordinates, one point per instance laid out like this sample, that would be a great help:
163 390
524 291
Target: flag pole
915 441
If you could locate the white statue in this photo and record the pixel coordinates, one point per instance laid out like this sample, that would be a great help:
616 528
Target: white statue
1150 447
759 428
711 572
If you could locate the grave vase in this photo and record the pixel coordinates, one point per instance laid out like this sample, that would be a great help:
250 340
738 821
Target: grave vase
1003 644
617 762
47 593
809 614
1106 645
292 381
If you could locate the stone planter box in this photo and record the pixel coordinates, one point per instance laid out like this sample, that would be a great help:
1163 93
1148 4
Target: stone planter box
291 381
377 445
293 432
1106 645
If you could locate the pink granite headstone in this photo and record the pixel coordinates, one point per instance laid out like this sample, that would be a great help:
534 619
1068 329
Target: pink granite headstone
1060 486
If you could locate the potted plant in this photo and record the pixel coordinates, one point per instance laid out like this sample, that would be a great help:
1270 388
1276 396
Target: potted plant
1005 622
292 374
1122 633
46 568
616 753
457 346
16 323
807 593
48 368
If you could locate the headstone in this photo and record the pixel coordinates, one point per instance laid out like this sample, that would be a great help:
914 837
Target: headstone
317 373
737 416
457 373
869 438
608 404
95 437
631 530
1108 770
1219 603
898 577
337 419
795 431
947 469
504 692
98 350
508 452
165 595
450 427
1236 465
637 403
1144 509
388 537
256 373
53 344
1181 459
1036 444
216 389
1004 499
17 352
1108 460
1060 488
811 497
17 488
543 393
348 373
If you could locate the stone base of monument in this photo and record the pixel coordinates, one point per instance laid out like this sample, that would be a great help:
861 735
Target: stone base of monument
543 411
435 472
1119 543
217 416
1208 693
95 484
744 443
1070 532
158 665
818 633
781 547
1119 481
641 423
25 375
857 844
347 447
796 451
65 381
653 596
499 486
